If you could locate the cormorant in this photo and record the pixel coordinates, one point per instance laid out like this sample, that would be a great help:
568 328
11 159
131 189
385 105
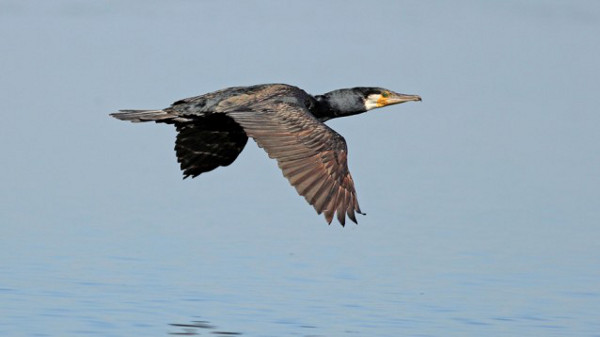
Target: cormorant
285 121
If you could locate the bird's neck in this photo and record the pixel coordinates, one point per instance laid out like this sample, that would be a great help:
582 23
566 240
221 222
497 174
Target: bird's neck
330 106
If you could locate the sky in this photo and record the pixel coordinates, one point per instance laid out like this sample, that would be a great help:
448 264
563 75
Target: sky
507 112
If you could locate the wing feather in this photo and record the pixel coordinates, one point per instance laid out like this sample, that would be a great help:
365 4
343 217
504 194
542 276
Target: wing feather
206 143
312 156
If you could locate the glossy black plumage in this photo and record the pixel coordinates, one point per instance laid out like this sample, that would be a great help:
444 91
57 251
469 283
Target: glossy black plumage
284 120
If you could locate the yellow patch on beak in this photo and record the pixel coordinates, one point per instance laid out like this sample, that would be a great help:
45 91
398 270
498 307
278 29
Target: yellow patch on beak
382 101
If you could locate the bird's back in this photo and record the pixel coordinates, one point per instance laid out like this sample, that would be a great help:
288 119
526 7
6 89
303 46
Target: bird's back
239 98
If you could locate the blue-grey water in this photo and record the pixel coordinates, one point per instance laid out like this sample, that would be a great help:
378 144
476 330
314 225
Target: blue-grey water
483 200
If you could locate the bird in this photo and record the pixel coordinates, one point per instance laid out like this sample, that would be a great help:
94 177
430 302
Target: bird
284 120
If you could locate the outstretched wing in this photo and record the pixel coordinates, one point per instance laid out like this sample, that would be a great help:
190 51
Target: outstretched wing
312 156
206 143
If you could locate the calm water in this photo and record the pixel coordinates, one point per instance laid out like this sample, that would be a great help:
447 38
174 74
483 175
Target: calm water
482 201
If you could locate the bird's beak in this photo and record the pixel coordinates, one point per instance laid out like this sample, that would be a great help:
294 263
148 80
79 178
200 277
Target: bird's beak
396 98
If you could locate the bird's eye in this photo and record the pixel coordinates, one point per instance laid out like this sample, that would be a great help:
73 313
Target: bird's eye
385 94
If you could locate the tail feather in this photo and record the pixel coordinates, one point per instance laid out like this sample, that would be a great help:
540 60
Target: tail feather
144 115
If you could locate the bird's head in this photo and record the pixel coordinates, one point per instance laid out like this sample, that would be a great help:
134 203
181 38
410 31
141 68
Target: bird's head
347 102
380 97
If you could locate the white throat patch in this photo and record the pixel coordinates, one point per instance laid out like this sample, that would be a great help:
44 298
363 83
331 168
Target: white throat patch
371 101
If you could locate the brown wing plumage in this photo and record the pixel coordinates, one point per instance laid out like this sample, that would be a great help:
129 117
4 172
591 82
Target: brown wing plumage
312 156
206 143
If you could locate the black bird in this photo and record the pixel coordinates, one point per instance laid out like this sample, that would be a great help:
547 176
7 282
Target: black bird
285 121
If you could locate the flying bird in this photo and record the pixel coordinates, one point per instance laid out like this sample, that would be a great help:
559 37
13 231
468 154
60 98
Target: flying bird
285 121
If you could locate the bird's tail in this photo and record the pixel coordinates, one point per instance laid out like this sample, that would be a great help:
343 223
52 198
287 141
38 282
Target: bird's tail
144 115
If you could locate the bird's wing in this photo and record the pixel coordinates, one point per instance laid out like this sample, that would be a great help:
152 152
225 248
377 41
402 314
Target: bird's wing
312 156
207 143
